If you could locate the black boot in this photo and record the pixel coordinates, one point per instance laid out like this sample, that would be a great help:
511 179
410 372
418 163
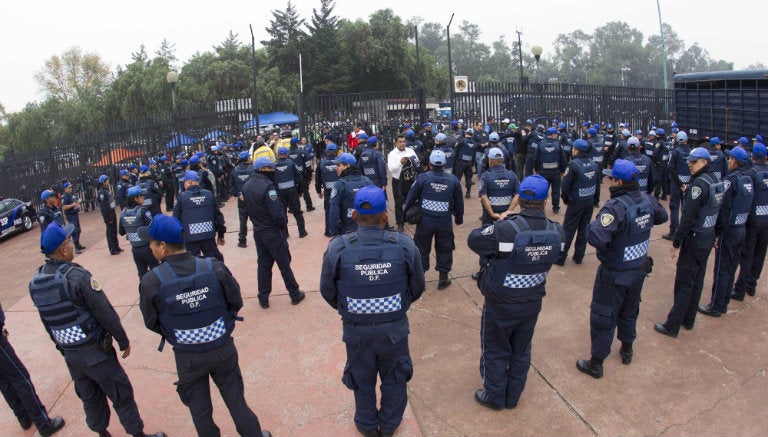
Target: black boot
467 196
591 367
444 282
626 353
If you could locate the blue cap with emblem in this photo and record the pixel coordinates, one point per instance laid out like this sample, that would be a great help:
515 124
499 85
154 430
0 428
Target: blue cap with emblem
215 148
143 169
165 228
739 154
331 147
54 235
370 200
660 131
191 175
759 138
123 172
194 159
103 178
262 162
135 191
163 158
699 153
437 157
552 131
743 140
294 140
622 169
131 167
66 184
714 141
152 162
45 195
581 145
282 150
534 187
243 155
758 151
682 136
427 124
345 158
362 136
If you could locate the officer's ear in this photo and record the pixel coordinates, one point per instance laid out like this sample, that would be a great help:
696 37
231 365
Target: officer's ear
354 215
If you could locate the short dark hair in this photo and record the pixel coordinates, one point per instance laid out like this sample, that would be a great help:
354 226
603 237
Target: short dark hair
175 247
131 201
531 204
369 219
399 136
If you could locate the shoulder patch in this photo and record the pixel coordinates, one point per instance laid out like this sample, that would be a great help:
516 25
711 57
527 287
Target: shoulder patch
333 192
695 192
101 196
727 184
567 169
273 194
95 284
488 230
606 219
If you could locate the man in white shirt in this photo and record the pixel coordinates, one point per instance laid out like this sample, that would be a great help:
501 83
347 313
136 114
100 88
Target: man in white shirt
401 161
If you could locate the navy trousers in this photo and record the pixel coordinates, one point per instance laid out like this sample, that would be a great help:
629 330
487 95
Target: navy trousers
207 247
577 217
17 388
727 257
444 245
615 303
271 249
689 280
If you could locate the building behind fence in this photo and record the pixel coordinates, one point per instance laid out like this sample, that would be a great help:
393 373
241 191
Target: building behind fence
80 159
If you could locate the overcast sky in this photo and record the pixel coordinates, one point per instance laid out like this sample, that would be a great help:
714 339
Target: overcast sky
33 31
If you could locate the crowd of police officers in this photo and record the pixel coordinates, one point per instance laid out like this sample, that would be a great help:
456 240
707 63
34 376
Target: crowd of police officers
372 272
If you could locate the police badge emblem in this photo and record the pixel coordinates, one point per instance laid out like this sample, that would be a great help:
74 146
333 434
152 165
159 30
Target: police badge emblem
695 192
273 195
606 219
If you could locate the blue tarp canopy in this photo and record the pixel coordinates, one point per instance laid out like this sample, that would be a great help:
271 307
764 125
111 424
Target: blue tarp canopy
215 134
180 140
272 118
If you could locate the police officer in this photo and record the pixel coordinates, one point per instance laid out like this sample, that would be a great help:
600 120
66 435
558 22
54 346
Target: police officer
756 238
49 212
121 188
493 141
537 136
372 163
199 328
216 167
371 277
621 233
239 176
198 210
81 321
270 229
498 188
108 214
439 196
521 155
450 155
342 201
71 207
512 282
610 140
660 159
598 149
694 239
288 178
169 184
133 176
565 141
465 155
578 194
302 159
152 193
719 162
549 161
730 230
680 176
134 216
645 176
19 392
325 178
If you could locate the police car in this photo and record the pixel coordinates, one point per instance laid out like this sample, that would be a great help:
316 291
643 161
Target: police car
16 215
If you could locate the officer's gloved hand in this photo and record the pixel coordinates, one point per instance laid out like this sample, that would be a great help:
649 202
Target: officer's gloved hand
458 221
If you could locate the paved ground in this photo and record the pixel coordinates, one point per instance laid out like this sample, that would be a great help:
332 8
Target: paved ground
709 381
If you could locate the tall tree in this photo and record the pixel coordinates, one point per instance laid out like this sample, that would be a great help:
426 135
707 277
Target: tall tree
73 75
167 51
326 60
285 28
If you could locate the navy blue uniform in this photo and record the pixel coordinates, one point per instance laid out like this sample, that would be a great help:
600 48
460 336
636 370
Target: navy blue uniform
500 186
240 175
192 302
695 237
645 176
270 227
198 210
731 232
288 178
371 277
679 175
152 194
302 158
578 193
108 214
342 201
621 234
169 185
77 314
16 386
439 195
49 214
72 215
465 155
660 159
131 219
517 253
550 161
121 191
756 239
325 177
598 156
373 166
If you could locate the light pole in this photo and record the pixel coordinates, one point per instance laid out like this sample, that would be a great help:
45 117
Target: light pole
536 50
172 77
624 79
450 65
663 57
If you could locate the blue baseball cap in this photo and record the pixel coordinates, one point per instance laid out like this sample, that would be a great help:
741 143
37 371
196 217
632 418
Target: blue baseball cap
215 148
534 187
123 172
561 126
638 132
282 150
622 169
739 154
682 136
592 131
191 175
45 195
759 138
714 141
294 140
744 141
581 145
758 151
410 134
54 235
552 131
585 124
103 178
131 167
163 158
165 228
345 158
660 131
143 169
152 162
674 124
441 137
194 159
243 155
184 163
135 191
495 153
370 200
200 154
493 137
362 136
373 140
331 147
699 153
633 142
427 124
262 162
437 157
66 184
675 130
